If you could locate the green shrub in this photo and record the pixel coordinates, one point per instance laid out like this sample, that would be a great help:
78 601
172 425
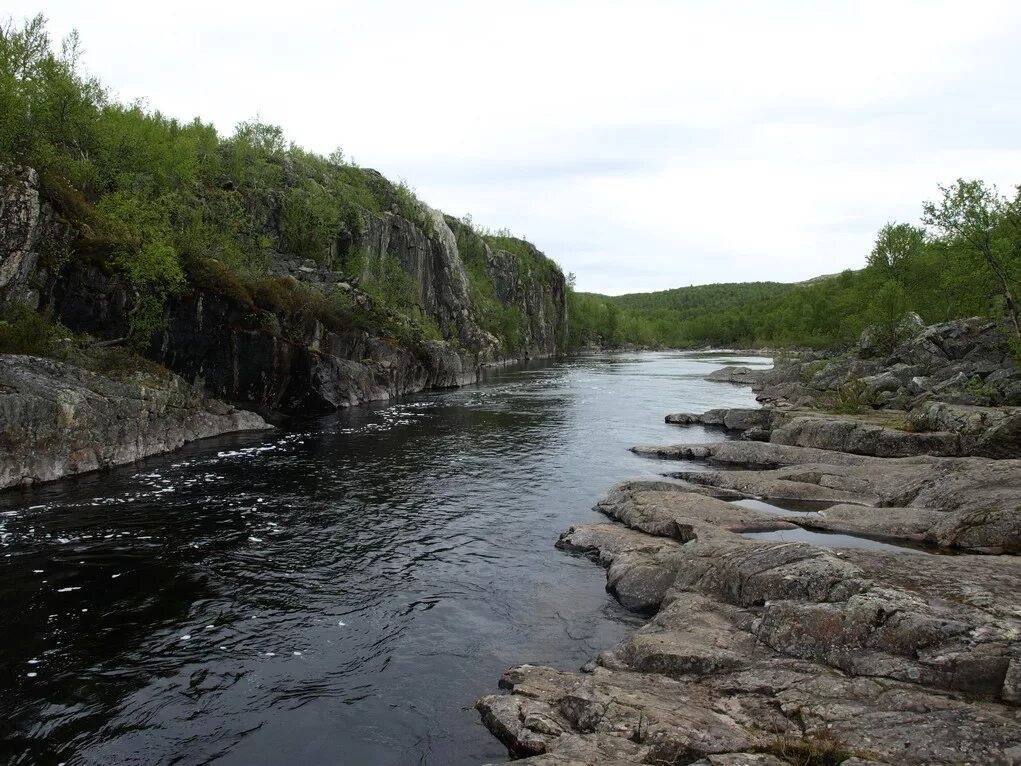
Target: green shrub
309 222
139 231
24 331
818 749
852 397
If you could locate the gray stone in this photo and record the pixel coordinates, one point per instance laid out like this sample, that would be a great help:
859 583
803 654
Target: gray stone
58 420
860 438
762 649
745 376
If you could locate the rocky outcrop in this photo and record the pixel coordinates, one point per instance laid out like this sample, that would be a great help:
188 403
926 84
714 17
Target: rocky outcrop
774 653
57 419
260 356
432 262
744 376
988 431
964 362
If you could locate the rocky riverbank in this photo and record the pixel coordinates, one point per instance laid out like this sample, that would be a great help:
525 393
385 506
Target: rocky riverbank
57 419
768 651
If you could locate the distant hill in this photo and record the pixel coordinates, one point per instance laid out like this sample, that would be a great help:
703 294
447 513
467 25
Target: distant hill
692 301
828 310
823 311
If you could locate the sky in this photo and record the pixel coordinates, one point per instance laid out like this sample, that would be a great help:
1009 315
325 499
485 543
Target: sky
643 145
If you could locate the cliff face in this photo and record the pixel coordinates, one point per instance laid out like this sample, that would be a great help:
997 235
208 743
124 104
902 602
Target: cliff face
29 228
259 354
238 353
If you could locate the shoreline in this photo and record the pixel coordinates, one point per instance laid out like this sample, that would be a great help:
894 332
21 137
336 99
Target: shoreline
798 651
90 422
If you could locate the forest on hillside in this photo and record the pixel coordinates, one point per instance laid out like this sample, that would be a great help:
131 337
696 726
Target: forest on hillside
964 261
172 205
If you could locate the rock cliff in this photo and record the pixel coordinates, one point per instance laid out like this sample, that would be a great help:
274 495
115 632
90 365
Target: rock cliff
310 335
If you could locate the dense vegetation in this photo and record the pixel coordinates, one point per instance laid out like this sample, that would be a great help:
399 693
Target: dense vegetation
173 204
966 261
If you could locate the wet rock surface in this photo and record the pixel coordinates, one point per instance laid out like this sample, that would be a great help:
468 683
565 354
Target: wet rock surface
968 503
57 419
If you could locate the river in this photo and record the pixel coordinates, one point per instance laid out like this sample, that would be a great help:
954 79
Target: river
339 591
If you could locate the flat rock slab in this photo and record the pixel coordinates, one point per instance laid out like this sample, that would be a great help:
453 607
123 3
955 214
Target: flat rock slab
970 503
749 453
762 652
673 513
57 419
745 376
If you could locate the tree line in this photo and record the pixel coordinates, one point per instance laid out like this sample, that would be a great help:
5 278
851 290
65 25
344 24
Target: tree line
965 260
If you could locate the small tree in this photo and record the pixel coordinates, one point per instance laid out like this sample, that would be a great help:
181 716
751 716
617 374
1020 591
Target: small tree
896 244
887 310
979 223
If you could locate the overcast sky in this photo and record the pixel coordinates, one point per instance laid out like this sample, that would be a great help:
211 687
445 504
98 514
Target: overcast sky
643 145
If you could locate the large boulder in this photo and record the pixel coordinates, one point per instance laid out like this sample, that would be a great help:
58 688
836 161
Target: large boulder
977 339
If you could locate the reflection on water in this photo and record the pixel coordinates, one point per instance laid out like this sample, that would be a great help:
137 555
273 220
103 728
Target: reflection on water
338 592
837 540
785 506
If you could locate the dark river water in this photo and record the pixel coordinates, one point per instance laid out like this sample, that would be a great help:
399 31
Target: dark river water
336 592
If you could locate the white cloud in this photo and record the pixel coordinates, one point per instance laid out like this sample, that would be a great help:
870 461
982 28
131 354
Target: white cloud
643 145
